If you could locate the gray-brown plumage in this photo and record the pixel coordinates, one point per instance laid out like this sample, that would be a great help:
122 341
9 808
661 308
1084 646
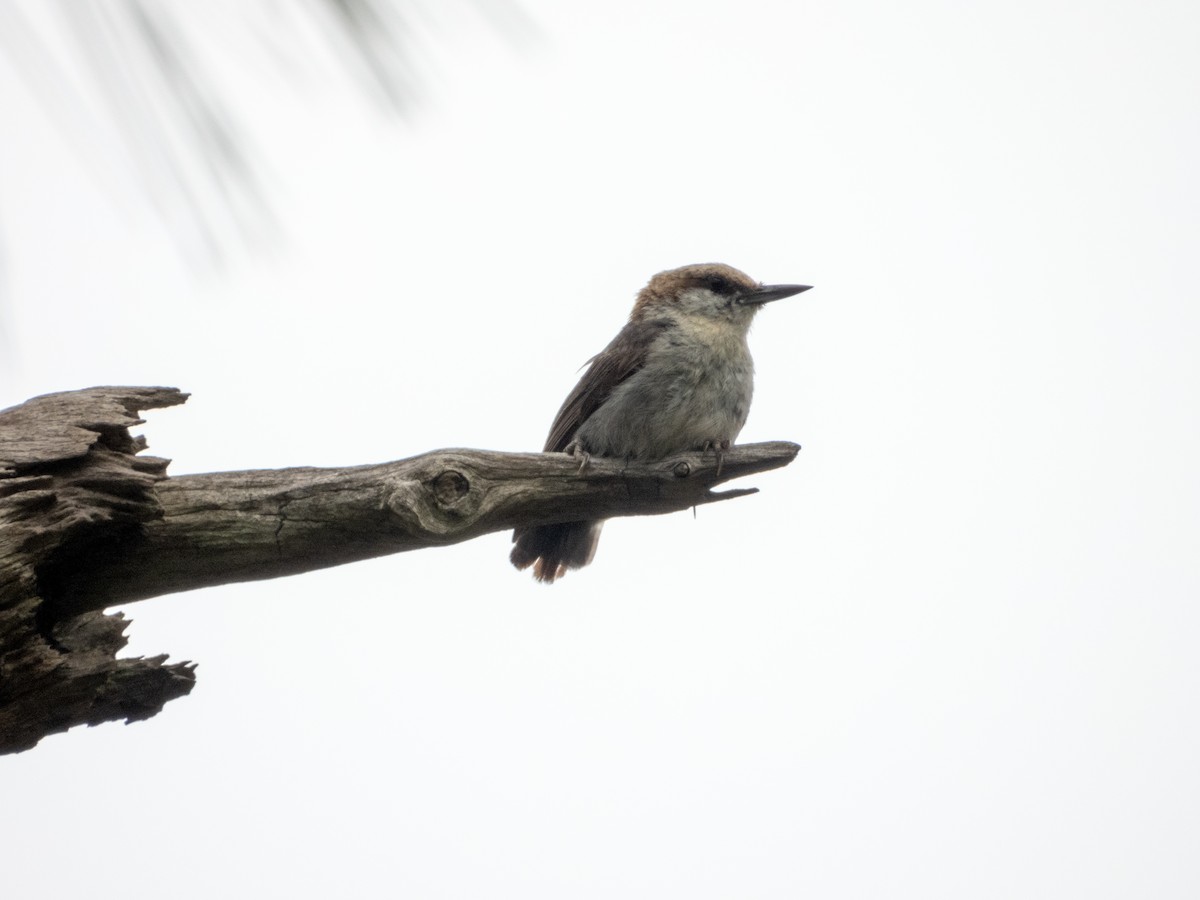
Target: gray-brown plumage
677 377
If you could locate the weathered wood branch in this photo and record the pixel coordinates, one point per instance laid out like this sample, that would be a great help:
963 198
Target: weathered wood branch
86 523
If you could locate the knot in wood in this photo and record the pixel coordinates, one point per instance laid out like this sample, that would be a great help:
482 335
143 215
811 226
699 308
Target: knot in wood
450 487
682 470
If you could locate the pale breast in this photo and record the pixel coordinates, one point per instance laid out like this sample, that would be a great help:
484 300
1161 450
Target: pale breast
693 391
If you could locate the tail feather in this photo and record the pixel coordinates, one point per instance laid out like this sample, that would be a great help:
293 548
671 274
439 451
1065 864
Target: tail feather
552 549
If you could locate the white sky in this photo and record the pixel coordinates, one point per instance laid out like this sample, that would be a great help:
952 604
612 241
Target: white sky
949 652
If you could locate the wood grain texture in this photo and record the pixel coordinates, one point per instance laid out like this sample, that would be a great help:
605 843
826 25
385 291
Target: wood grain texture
68 476
86 523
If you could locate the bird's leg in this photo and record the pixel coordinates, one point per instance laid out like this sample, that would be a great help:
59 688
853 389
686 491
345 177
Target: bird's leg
718 448
576 449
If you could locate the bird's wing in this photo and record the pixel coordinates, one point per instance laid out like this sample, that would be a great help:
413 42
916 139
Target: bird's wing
624 356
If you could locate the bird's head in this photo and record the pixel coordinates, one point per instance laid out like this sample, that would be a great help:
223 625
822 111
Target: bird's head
710 291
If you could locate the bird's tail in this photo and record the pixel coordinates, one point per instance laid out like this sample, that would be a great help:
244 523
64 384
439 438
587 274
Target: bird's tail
552 549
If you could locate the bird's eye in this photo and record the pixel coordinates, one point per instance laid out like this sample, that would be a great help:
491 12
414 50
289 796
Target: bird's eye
718 285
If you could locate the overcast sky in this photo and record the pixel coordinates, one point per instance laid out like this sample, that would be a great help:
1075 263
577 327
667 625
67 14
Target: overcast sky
949 652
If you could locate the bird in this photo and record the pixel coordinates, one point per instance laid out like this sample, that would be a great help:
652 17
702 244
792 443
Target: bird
677 377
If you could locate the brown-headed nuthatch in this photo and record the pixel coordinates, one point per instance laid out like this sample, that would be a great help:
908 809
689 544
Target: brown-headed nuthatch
677 377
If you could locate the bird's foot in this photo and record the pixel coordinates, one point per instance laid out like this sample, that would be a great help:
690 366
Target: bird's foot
575 449
718 448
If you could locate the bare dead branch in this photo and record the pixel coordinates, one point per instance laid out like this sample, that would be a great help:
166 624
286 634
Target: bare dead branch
86 523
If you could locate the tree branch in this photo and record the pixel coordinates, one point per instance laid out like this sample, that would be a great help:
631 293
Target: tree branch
242 526
89 524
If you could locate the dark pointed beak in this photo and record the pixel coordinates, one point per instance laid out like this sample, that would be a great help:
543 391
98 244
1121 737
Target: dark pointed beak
768 292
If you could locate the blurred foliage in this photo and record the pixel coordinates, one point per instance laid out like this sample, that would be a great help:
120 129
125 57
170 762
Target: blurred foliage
153 72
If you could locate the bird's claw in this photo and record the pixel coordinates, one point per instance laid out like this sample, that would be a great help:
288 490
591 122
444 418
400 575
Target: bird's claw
585 458
718 448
